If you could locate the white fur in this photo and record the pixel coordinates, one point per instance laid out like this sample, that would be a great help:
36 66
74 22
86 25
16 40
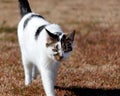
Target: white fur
36 55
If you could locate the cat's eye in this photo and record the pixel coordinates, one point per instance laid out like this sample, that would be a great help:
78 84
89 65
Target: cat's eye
55 48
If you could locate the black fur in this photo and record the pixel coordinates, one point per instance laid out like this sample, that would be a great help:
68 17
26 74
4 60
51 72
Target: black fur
39 30
24 7
53 36
28 19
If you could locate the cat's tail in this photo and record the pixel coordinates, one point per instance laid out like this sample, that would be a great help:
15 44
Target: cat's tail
24 7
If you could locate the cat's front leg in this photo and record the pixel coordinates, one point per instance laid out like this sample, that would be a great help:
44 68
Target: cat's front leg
48 82
48 76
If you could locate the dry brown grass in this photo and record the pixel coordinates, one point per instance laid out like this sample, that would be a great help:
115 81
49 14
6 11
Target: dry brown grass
95 62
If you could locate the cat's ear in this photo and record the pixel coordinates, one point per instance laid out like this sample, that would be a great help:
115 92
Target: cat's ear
52 36
71 36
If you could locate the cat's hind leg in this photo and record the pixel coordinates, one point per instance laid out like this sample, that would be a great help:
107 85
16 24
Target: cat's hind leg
27 70
34 72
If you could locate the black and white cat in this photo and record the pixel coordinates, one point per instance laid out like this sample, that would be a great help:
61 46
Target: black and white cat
43 45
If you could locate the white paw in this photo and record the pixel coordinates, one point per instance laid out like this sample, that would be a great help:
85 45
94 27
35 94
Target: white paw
27 83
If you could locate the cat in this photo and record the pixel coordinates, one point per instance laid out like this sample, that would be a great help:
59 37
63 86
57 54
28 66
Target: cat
43 46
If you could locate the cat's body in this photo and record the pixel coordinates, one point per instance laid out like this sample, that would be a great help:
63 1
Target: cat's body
43 45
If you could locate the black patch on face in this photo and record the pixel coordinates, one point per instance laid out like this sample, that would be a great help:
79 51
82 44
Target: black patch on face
32 16
39 30
66 44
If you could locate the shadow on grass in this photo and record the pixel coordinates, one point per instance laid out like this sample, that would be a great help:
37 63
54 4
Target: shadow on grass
90 92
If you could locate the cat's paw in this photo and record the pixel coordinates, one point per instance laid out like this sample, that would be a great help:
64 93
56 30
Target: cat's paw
27 83
34 76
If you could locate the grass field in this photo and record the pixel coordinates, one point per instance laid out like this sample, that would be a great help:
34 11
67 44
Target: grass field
93 69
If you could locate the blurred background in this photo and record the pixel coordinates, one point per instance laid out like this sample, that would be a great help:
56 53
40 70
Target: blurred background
93 69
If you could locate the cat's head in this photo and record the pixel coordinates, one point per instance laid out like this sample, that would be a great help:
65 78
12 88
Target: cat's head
59 45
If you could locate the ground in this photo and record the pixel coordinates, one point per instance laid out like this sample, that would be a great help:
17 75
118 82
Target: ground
93 69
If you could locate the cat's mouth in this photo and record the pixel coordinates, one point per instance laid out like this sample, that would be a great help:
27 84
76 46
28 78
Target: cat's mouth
58 57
